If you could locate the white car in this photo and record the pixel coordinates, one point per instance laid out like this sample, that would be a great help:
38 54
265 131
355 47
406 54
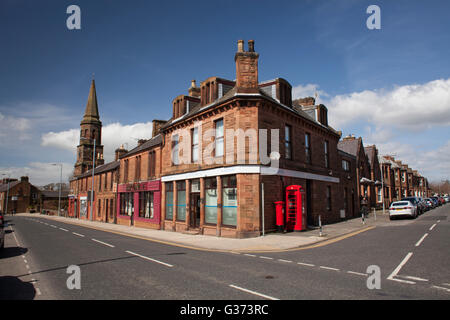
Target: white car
402 208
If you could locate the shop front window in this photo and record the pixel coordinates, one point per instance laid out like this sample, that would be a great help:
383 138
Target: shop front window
211 200
126 204
169 201
146 205
229 208
181 200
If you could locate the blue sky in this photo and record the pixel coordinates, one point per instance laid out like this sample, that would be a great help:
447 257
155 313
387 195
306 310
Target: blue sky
144 53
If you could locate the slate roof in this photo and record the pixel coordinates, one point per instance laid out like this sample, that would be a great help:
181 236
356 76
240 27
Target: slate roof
370 152
146 145
233 93
100 169
349 146
4 187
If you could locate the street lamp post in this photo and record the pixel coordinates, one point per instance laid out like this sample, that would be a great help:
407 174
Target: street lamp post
60 184
7 194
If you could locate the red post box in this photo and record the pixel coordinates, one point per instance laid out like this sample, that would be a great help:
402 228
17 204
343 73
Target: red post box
295 211
279 208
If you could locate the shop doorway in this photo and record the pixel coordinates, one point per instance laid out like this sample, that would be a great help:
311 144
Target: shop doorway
194 219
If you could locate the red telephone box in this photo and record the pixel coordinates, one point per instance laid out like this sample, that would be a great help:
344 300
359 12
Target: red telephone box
295 209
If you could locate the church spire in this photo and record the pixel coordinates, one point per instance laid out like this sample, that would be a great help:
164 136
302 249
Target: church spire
91 112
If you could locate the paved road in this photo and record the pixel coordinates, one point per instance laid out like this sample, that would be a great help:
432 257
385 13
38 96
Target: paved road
412 255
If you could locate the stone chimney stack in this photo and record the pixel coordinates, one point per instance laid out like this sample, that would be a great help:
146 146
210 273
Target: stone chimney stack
24 179
141 141
194 91
156 127
120 152
246 68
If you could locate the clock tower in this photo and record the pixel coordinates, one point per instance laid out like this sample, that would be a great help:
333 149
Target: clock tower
90 133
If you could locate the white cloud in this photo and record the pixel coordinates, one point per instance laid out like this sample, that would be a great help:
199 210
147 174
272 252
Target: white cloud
413 107
13 129
40 173
308 90
113 135
67 140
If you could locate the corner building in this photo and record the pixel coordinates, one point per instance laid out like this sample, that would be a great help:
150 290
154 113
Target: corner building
212 174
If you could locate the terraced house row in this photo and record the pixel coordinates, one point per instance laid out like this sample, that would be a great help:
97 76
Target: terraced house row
226 155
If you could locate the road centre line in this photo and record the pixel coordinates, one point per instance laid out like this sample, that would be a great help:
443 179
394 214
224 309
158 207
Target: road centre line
106 244
306 264
282 260
434 225
150 259
358 273
328 268
249 255
399 267
254 292
77 234
263 257
63 229
421 239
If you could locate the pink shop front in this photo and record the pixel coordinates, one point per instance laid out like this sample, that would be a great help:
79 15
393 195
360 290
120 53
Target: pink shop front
139 204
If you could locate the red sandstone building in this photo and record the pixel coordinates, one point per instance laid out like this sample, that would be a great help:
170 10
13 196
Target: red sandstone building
227 154
139 189
214 185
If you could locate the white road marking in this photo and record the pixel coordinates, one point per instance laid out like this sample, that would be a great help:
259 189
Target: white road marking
38 291
253 292
305 264
282 260
441 288
249 255
25 260
358 273
63 229
147 258
434 225
328 268
235 252
28 267
106 244
17 241
397 270
421 239
269 258
53 226
402 281
77 234
412 278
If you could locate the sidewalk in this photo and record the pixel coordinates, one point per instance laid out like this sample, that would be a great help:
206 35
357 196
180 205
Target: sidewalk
269 242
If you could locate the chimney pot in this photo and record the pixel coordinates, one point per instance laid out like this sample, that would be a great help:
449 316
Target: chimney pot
251 45
240 45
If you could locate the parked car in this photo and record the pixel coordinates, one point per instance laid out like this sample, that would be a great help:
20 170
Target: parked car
436 200
430 202
447 199
403 208
417 203
441 199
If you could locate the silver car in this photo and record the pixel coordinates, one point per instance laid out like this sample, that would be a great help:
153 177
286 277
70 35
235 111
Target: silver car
403 208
